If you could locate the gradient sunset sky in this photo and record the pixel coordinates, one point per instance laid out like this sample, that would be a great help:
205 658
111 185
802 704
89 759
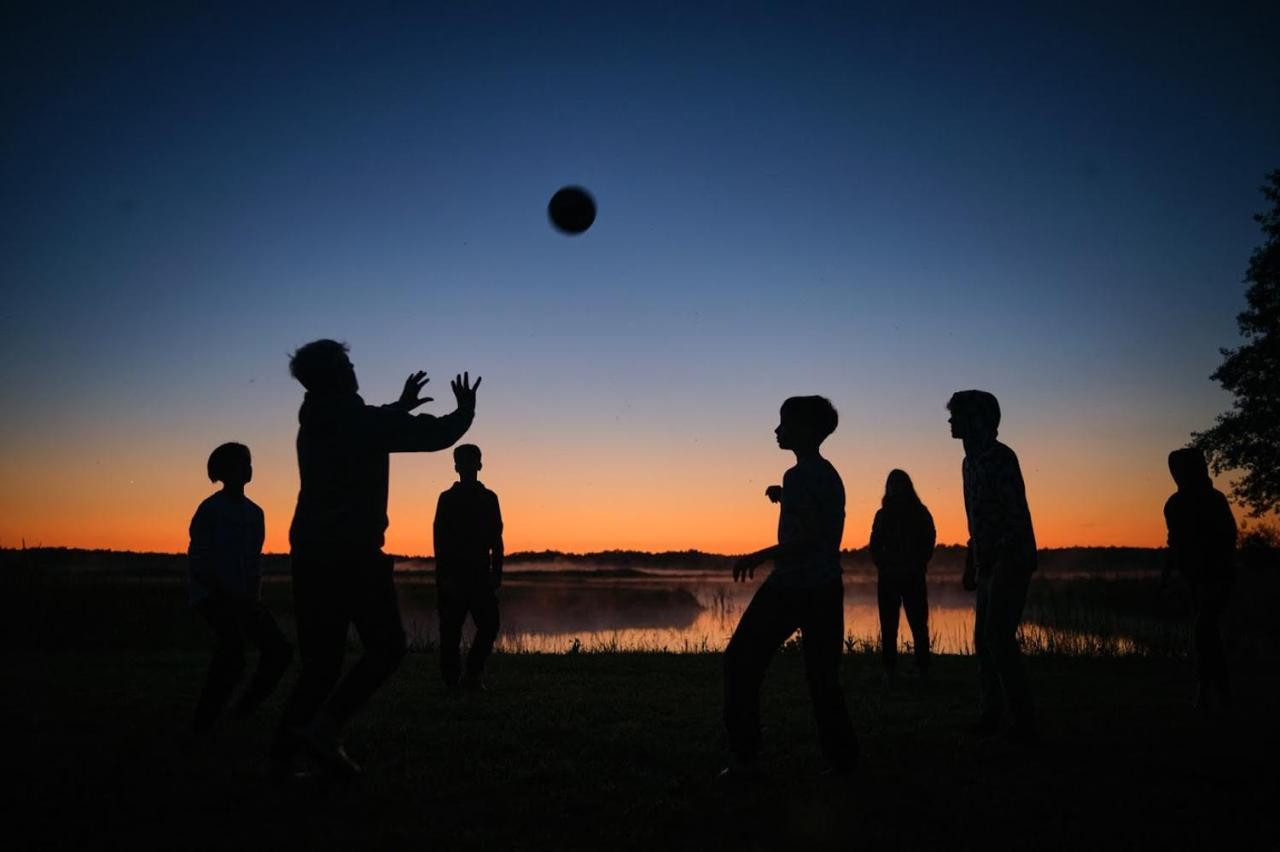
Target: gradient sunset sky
880 204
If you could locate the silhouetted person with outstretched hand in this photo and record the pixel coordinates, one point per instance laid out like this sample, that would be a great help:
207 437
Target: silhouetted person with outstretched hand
468 548
340 574
225 563
1202 547
1000 561
804 592
902 539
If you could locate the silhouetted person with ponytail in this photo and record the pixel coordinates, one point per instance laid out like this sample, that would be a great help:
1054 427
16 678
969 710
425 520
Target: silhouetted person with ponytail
340 574
225 564
1202 547
1000 560
902 539
804 592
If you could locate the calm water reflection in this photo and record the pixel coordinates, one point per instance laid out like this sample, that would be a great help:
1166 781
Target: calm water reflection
685 612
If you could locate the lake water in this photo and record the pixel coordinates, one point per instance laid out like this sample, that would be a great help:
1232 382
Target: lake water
697 611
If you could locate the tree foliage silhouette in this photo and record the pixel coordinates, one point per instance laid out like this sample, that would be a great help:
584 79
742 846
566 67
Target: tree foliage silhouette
1247 438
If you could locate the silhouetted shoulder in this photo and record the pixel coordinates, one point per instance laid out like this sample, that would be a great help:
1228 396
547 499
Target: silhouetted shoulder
209 503
255 510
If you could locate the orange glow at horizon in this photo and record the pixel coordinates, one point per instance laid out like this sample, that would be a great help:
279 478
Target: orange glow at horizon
711 501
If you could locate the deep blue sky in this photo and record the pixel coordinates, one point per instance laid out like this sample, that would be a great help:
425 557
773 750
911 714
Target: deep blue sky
879 204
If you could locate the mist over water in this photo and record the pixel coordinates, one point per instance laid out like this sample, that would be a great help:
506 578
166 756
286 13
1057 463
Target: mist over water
697 611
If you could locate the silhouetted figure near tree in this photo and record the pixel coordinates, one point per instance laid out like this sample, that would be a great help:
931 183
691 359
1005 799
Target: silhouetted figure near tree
468 548
902 539
999 563
225 560
1202 548
340 574
805 592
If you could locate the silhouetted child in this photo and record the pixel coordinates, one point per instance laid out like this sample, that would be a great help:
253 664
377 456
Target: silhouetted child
1202 546
902 539
804 592
999 563
225 560
468 547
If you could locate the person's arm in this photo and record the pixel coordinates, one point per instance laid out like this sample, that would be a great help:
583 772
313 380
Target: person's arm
929 539
876 545
200 554
259 538
1171 544
399 431
440 531
495 547
969 580
1005 492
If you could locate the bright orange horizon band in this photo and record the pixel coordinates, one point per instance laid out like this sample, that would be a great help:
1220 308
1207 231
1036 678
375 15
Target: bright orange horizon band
727 516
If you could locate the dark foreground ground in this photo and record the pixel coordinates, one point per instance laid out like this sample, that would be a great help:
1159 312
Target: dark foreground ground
620 751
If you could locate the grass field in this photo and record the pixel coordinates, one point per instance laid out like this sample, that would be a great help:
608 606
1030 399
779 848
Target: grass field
620 751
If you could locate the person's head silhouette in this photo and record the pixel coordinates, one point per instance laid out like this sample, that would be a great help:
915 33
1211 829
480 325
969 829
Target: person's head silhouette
1189 469
322 366
899 488
231 465
975 415
805 422
466 461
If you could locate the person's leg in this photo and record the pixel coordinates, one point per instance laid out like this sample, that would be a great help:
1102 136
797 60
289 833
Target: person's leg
484 611
451 606
321 614
377 619
887 597
275 654
767 622
990 700
1008 596
823 641
915 603
226 666
1211 663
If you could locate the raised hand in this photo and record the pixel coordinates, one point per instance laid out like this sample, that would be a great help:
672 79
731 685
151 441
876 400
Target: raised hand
465 392
774 493
413 385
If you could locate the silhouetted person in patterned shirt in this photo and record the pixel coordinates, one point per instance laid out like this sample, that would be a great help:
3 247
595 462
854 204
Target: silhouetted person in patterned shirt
902 540
999 563
468 548
340 574
225 565
1202 548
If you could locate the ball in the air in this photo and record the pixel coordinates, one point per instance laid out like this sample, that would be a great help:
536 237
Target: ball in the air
572 210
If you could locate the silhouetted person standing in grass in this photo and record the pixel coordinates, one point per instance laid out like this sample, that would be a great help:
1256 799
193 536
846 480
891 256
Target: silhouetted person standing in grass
340 574
804 592
902 539
1202 548
225 561
468 548
1000 560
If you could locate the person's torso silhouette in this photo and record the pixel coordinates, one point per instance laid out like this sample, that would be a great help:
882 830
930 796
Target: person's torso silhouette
811 515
